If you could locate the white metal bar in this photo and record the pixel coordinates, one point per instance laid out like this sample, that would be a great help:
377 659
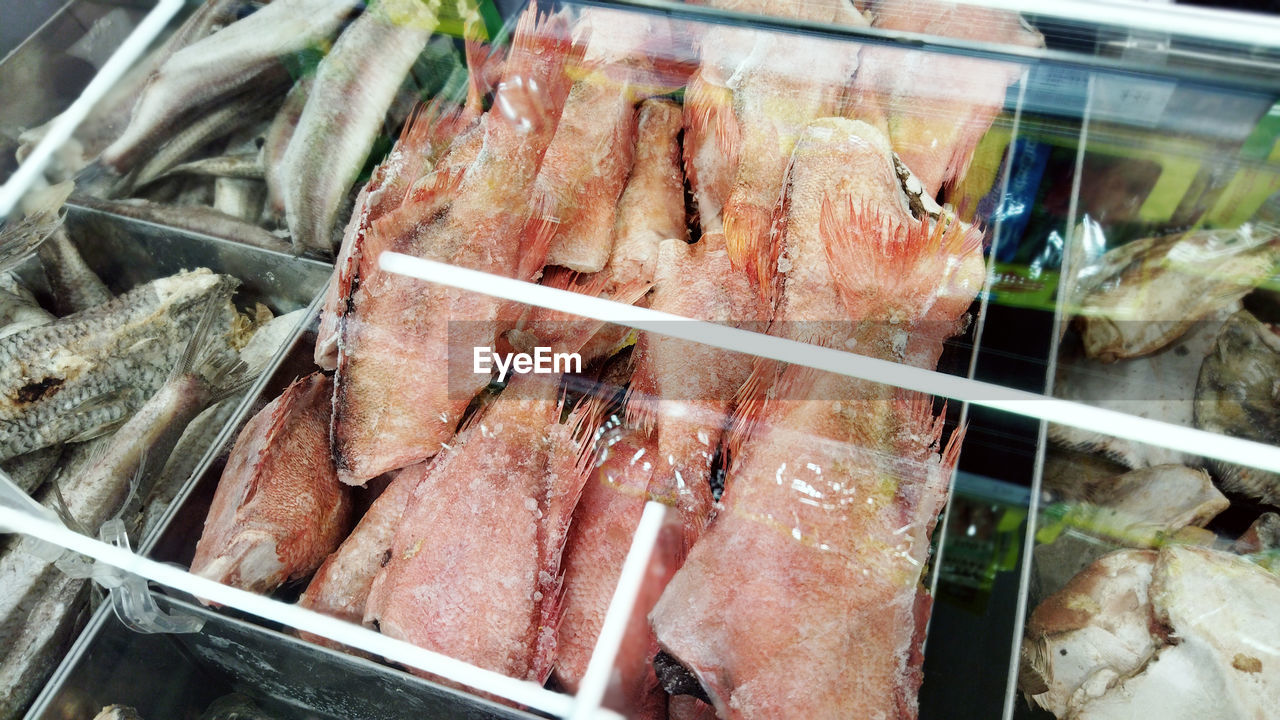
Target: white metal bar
600 666
1019 402
66 123
520 691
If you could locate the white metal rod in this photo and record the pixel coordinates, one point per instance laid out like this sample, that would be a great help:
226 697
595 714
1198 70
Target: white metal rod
600 666
1019 402
66 123
520 691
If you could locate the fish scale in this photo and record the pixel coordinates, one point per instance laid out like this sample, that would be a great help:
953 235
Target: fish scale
75 376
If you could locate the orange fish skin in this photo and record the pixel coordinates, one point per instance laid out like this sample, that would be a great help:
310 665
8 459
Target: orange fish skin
474 564
684 391
341 586
279 509
936 107
837 482
399 328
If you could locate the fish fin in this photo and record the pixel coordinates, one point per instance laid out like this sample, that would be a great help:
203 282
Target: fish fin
746 234
58 503
116 397
21 238
749 405
709 110
433 192
898 268
535 243
541 49
481 61
640 402
209 356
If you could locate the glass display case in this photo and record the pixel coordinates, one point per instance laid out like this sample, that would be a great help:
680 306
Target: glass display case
643 359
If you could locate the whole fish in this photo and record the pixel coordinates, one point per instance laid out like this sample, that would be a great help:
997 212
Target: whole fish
831 500
586 165
488 522
282 127
201 433
683 391
395 326
341 586
111 114
221 65
242 165
279 510
38 607
1141 296
935 107
236 113
1236 395
786 82
651 207
354 87
74 378
205 221
599 538
421 144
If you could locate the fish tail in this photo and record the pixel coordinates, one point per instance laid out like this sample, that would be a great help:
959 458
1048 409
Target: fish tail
43 216
749 406
895 267
535 243
481 62
211 358
541 49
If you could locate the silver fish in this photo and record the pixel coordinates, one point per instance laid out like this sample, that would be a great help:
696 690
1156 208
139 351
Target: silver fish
74 378
246 165
355 85
206 221
111 114
75 286
1238 394
37 607
1141 296
222 65
282 128
236 113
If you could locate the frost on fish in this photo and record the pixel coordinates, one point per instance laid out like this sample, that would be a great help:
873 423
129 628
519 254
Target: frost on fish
935 107
279 509
76 377
587 163
612 502
340 587
1236 395
396 327
1181 633
837 482
1139 297
487 523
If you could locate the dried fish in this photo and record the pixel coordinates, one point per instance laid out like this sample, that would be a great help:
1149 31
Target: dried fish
354 87
279 510
276 142
74 378
39 606
239 112
18 309
75 287
244 165
1171 634
1141 296
222 65
1237 395
205 221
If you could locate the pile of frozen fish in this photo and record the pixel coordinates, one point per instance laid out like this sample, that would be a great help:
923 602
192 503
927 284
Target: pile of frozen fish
226 128
814 167
106 405
1140 599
